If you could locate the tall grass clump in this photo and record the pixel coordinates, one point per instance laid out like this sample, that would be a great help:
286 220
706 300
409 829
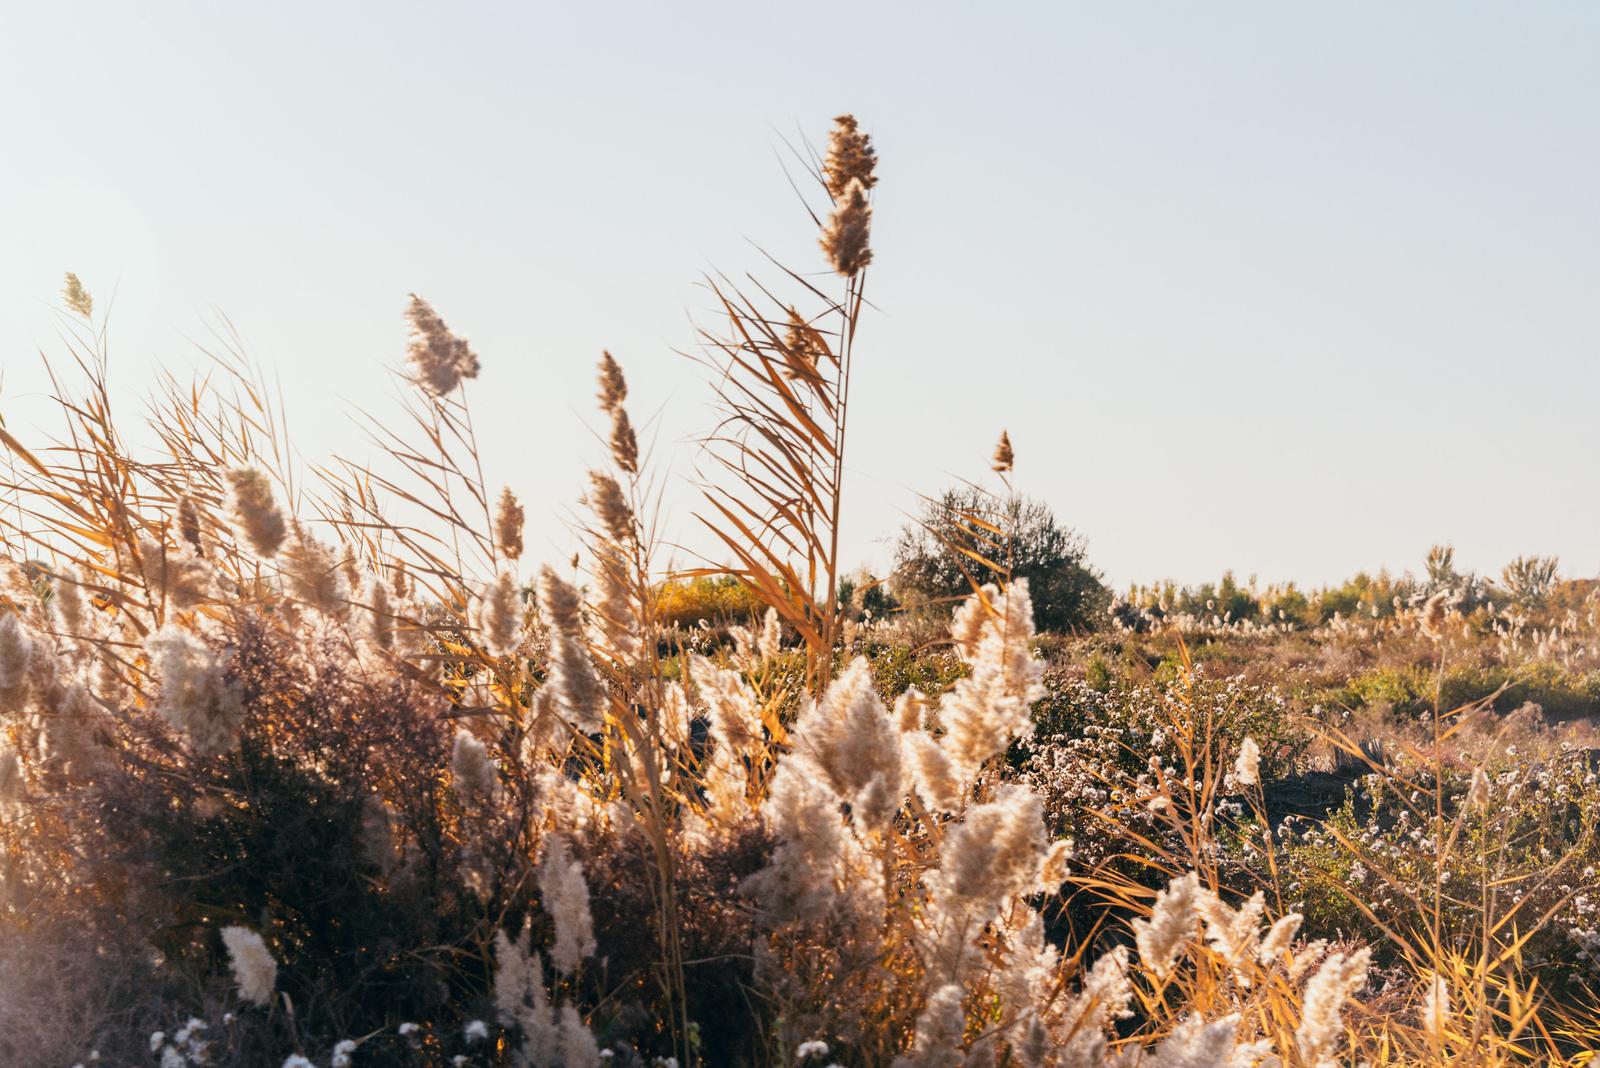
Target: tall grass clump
309 766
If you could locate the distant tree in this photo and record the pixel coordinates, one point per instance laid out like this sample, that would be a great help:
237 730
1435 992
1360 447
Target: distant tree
931 570
1530 579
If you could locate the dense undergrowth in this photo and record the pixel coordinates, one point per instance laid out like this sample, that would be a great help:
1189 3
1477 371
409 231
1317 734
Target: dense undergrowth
311 767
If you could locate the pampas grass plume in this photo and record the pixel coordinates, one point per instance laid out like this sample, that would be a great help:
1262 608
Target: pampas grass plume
254 971
255 511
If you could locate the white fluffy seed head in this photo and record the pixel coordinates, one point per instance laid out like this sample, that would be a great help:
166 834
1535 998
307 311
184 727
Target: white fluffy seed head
1247 768
566 899
195 695
254 511
472 772
1171 924
255 972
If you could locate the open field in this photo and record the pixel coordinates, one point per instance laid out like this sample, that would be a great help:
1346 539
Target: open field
308 763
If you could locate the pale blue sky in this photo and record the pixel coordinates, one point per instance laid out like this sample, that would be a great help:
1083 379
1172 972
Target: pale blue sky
1294 290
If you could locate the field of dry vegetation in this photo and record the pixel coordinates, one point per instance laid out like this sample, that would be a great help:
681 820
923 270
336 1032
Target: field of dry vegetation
310 766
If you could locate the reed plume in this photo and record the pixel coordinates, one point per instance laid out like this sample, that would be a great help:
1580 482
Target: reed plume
439 359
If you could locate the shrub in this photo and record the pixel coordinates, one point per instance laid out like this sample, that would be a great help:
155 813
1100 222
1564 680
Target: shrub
718 600
932 573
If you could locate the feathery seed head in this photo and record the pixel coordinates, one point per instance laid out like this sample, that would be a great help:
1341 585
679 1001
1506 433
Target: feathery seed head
500 615
1433 615
78 299
1326 992
10 776
1436 1007
1279 937
255 511
439 359
1247 768
16 656
189 521
508 520
254 971
770 643
578 691
847 235
611 508
613 386
195 695
1004 457
1171 924
316 576
566 899
624 444
1478 794
850 157
472 771
848 737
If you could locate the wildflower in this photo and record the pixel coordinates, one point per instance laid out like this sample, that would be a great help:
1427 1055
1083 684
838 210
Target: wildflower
1340 976
341 1053
508 520
195 696
850 157
476 1031
566 898
439 359
1247 769
811 1048
78 299
1171 923
254 971
846 235
472 772
254 510
1003 456
297 1061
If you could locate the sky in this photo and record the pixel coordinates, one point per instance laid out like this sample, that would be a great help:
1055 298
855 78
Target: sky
1290 289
